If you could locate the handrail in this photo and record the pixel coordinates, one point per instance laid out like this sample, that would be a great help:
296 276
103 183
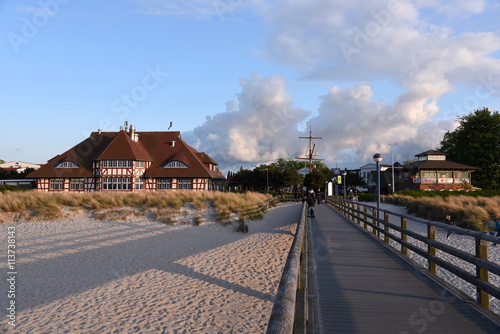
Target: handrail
284 309
352 211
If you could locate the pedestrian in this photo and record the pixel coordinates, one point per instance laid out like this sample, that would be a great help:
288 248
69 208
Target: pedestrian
448 221
311 202
319 196
497 228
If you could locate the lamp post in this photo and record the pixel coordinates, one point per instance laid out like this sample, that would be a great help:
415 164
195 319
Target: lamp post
344 173
378 157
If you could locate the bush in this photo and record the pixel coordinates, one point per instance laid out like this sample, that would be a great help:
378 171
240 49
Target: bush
467 211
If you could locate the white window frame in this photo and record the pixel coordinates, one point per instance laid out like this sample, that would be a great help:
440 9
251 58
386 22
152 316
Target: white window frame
77 184
67 164
139 184
117 163
184 184
176 164
117 183
56 184
164 183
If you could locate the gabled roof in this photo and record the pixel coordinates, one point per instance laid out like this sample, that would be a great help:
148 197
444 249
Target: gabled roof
166 147
157 147
124 148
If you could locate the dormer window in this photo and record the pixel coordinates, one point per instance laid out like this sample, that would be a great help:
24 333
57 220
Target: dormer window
67 164
176 164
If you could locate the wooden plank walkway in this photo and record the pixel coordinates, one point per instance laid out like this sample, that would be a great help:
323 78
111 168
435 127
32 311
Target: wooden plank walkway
361 287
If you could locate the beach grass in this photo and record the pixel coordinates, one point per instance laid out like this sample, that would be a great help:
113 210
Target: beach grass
474 213
50 205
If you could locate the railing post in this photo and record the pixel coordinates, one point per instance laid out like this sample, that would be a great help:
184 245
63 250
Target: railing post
431 234
358 214
482 252
374 221
365 225
386 227
404 237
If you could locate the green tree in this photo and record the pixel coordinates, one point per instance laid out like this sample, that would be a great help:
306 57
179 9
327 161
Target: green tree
2 161
476 142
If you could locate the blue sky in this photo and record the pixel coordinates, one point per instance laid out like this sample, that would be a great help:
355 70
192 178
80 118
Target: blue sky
243 79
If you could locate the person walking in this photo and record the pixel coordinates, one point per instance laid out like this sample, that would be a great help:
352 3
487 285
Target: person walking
497 228
448 221
311 202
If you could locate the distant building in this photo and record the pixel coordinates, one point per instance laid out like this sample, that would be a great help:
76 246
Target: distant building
129 161
18 166
433 172
368 173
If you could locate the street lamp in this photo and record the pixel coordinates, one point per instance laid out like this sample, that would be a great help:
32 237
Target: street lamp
378 157
344 173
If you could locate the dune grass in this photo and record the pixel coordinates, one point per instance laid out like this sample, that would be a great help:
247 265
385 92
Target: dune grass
49 205
474 213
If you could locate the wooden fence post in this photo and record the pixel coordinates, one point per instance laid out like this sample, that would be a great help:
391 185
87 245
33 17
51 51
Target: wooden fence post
374 220
365 209
386 227
404 237
431 234
482 252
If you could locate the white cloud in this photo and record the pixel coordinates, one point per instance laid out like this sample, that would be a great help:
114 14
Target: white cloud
258 126
201 9
363 43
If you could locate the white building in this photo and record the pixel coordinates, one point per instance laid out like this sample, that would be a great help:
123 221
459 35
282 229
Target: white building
19 166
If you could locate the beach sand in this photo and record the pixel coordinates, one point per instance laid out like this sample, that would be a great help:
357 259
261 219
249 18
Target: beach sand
81 275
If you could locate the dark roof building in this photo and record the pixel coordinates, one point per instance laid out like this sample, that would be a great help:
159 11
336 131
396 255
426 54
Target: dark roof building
433 172
129 161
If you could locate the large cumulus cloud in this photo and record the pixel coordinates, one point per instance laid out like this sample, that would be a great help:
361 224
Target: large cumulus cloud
423 49
259 125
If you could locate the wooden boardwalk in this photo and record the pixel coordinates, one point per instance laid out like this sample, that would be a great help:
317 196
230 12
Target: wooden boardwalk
361 287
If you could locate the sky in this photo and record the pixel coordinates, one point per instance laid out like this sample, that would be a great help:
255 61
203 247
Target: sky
243 79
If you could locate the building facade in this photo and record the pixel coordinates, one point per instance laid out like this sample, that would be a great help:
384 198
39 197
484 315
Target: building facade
432 171
18 166
128 160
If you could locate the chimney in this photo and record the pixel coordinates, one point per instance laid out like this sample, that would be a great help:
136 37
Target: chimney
133 135
125 124
172 143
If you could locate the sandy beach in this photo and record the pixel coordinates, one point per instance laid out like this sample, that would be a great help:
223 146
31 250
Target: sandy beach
82 275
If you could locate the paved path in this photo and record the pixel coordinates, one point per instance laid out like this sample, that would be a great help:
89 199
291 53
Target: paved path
363 288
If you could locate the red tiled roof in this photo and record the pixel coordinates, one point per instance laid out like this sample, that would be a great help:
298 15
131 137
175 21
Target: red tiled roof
156 147
122 147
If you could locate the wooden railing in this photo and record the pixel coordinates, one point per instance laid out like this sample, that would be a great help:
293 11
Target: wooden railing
289 314
368 217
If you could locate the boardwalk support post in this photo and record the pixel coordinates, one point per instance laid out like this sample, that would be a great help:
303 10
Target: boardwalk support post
431 234
386 227
404 237
482 252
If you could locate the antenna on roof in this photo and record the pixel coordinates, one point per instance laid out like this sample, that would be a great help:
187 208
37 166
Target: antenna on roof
170 125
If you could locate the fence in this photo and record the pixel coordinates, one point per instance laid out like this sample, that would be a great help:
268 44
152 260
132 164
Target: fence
289 314
368 217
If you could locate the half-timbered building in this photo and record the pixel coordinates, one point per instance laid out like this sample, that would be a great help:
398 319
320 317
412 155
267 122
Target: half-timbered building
129 161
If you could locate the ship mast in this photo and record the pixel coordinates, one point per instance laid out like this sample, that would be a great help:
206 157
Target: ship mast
310 151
